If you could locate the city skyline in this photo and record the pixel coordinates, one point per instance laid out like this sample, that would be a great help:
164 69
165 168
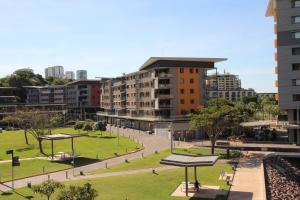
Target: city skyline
110 43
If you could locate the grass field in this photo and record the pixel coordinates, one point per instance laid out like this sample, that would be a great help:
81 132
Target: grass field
152 161
88 147
146 186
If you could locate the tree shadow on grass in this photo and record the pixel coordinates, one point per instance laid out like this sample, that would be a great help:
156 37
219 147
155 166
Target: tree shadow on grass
101 137
9 193
80 161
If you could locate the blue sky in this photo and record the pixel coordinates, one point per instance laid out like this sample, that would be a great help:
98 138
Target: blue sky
110 37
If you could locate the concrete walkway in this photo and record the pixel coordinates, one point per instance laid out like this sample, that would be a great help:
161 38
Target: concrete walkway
248 182
151 144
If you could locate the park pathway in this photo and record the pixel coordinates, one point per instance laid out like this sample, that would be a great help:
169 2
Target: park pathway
151 144
248 182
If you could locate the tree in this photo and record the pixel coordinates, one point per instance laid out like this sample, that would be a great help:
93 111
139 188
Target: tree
47 188
79 193
37 124
11 120
216 116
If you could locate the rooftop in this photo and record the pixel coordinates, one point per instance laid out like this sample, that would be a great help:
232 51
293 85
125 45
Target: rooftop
189 160
152 60
271 7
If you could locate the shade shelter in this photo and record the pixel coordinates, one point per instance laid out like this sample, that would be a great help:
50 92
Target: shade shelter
183 160
60 137
256 124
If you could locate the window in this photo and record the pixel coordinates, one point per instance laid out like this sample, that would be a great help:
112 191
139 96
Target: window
192 101
296 19
197 71
295 3
192 91
182 101
296 35
181 70
296 66
181 91
296 97
295 82
191 70
296 51
192 80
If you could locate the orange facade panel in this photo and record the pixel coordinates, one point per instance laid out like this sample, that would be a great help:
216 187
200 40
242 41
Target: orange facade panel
277 97
276 83
188 89
275 43
275 29
275 56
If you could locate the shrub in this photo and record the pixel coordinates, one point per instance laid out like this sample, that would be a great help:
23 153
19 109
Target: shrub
78 125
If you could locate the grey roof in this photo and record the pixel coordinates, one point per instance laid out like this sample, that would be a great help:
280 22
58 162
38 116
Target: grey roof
152 60
189 160
60 136
256 123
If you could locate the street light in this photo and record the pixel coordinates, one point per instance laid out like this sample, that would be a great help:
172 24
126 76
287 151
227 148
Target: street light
14 162
171 135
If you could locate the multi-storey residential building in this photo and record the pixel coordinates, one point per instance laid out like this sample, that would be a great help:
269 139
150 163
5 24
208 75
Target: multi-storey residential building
81 75
165 90
266 94
83 98
70 75
227 86
55 71
45 94
10 95
231 95
286 14
224 81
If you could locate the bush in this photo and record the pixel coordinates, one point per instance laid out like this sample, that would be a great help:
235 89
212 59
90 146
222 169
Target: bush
100 126
88 127
78 125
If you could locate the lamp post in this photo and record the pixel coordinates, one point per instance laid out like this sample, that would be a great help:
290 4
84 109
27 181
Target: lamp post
14 162
171 135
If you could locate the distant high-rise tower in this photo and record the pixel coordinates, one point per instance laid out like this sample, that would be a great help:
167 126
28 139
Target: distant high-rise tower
81 75
55 71
70 75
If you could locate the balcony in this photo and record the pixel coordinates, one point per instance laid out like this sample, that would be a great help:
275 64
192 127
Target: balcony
163 75
164 85
165 96
275 43
276 70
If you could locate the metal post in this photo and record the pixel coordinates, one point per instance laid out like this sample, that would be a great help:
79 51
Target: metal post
52 152
195 173
186 182
171 135
12 172
73 164
118 134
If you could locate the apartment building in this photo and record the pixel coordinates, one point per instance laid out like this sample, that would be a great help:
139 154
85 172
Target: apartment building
81 75
83 98
10 95
224 81
227 86
45 94
70 75
164 90
55 71
231 95
286 14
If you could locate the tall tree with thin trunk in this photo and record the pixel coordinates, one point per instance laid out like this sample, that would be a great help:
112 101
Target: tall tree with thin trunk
213 118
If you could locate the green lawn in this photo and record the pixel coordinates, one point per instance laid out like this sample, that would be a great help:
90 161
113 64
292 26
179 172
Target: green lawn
146 186
152 161
88 147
